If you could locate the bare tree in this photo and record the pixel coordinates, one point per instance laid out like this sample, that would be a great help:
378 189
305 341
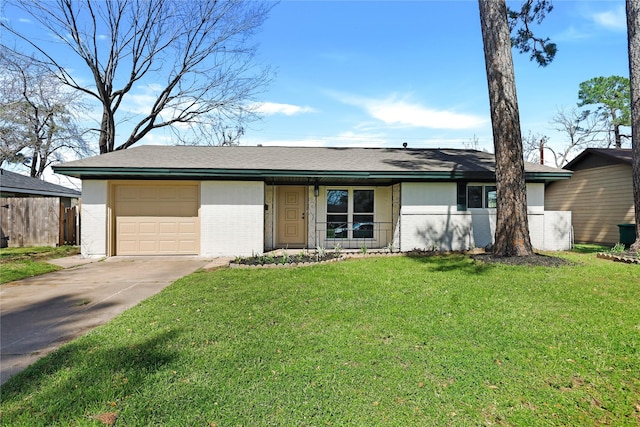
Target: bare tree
38 123
633 33
192 57
533 146
581 129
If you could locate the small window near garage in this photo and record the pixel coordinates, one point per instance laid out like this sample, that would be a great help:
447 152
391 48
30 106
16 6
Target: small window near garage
481 196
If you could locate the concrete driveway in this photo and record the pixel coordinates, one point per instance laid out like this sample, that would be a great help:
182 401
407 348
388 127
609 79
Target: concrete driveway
39 314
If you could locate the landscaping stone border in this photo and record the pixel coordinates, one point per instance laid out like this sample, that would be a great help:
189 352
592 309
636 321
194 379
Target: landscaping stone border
344 256
628 258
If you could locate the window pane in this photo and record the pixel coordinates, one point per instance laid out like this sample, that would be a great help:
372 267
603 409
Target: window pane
362 201
337 227
337 201
490 196
474 198
363 226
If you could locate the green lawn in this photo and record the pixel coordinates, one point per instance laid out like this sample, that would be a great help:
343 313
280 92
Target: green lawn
18 263
380 341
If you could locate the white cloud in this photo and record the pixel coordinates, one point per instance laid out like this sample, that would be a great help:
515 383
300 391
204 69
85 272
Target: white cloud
25 21
615 19
271 108
571 34
399 112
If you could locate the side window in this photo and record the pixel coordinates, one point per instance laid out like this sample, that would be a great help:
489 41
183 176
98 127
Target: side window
474 196
490 196
482 196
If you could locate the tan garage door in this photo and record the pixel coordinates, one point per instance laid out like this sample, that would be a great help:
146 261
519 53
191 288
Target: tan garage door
157 219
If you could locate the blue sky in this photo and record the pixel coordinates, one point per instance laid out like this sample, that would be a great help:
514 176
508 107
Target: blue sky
380 73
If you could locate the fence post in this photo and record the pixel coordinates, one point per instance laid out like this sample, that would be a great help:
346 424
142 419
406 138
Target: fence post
61 225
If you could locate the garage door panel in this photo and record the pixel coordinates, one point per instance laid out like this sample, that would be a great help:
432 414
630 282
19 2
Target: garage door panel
168 227
159 219
188 227
128 246
148 246
147 227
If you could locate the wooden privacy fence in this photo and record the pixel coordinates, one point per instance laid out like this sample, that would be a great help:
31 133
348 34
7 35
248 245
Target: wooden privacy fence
38 221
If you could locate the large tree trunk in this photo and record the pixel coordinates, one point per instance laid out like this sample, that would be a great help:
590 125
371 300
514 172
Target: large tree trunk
106 142
512 225
633 32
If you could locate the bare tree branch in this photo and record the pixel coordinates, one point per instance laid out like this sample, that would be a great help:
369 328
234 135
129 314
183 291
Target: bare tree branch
199 49
37 117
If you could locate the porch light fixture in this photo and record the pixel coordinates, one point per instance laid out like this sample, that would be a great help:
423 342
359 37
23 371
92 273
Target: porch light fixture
316 190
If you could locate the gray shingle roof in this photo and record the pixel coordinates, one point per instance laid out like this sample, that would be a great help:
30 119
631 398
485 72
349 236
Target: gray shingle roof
11 182
310 159
617 155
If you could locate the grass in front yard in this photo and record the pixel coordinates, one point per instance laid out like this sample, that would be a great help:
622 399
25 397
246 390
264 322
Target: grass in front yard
377 341
18 263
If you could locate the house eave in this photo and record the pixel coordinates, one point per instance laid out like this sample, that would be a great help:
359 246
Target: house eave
33 192
271 175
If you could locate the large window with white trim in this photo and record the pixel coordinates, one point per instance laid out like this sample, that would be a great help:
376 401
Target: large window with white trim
350 213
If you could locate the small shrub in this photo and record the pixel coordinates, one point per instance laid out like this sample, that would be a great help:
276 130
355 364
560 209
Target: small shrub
337 249
321 252
619 247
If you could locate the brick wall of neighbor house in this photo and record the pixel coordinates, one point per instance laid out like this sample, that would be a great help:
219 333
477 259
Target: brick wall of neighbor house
232 218
599 199
94 218
430 220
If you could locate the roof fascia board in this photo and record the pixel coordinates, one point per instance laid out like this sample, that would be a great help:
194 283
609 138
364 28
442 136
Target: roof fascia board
80 172
28 191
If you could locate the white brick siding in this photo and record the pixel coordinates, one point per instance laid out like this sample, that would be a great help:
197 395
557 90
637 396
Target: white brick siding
231 218
93 227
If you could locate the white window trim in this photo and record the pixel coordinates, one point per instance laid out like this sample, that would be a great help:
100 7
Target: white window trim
350 213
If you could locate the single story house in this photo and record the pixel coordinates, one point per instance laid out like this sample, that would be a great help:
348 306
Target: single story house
239 201
599 194
17 185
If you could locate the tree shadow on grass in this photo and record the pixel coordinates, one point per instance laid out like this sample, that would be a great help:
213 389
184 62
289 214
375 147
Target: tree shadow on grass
457 262
590 248
86 373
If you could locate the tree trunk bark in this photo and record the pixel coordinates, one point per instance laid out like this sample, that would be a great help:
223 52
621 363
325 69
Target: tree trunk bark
512 225
633 33
106 141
